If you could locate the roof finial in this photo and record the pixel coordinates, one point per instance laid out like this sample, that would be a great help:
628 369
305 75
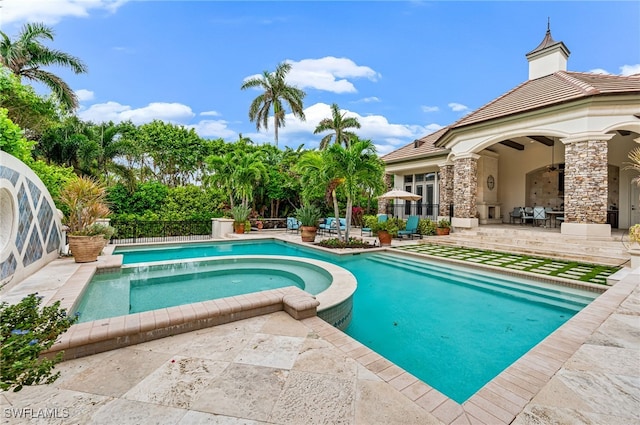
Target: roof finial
548 24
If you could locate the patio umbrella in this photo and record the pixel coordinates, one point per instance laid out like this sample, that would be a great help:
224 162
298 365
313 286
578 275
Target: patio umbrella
400 194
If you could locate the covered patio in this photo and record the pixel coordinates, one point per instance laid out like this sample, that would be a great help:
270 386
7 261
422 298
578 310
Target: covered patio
560 140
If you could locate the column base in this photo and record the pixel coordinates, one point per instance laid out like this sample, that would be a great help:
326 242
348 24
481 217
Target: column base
465 223
587 231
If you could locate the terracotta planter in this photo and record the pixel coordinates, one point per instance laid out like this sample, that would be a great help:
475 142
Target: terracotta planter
308 233
442 231
385 237
259 225
86 249
239 228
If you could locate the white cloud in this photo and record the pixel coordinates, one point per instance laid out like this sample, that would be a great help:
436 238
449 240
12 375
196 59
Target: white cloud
328 74
52 11
84 95
213 128
385 135
599 71
630 69
113 111
175 113
457 107
430 109
210 113
371 99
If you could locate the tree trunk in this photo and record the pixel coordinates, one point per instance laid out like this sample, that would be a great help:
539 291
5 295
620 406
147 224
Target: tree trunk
336 211
348 215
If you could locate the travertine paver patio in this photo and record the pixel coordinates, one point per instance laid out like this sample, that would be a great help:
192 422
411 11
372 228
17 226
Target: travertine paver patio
274 369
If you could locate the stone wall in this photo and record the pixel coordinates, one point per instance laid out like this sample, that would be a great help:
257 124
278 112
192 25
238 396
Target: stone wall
465 181
383 204
445 189
585 181
30 234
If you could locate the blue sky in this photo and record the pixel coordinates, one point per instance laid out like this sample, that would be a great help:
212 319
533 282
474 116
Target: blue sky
404 69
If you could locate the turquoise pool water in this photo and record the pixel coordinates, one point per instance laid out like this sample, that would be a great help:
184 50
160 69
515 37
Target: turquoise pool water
454 328
145 288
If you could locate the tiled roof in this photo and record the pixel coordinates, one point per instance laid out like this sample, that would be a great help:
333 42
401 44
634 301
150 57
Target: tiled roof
556 88
418 148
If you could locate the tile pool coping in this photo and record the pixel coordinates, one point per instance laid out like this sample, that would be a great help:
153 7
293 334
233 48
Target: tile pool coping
501 399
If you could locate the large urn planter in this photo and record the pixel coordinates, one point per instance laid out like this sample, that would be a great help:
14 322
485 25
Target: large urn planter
308 233
384 237
86 249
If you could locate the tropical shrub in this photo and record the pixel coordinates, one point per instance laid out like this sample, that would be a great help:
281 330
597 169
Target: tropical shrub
53 176
634 233
12 140
26 330
426 227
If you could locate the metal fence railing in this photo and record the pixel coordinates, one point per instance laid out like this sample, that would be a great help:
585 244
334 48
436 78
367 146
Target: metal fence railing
159 231
429 211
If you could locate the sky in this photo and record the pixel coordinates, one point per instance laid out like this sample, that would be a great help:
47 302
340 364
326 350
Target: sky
404 69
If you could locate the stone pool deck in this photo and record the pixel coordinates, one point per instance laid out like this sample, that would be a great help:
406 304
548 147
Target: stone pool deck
273 369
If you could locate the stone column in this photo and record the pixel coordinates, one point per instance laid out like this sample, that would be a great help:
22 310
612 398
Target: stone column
585 185
445 189
465 184
384 203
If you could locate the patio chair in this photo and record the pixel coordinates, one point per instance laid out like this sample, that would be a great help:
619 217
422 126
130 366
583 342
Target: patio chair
527 214
516 214
381 219
326 225
411 228
540 216
293 224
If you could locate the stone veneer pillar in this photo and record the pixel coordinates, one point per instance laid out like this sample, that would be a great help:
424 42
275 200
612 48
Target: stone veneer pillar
465 183
384 203
445 189
586 185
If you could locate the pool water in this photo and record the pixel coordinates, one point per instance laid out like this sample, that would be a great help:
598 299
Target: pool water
150 287
454 328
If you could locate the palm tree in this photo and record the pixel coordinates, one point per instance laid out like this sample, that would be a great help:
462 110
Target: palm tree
634 165
338 124
249 172
275 92
357 169
26 54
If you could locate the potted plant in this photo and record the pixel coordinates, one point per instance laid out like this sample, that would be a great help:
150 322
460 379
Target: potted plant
85 202
308 216
240 214
444 227
385 230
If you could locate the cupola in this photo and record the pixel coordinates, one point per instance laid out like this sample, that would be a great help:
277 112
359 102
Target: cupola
550 56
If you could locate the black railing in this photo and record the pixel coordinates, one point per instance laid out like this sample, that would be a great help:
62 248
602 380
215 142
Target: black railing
159 231
430 211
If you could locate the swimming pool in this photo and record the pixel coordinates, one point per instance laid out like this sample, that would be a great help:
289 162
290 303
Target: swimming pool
454 328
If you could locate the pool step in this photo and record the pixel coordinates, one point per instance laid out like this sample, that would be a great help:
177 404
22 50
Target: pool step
511 287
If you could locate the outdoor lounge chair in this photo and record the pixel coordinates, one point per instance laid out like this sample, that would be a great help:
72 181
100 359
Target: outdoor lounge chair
293 224
411 228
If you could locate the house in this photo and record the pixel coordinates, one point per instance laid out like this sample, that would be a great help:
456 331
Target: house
561 139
